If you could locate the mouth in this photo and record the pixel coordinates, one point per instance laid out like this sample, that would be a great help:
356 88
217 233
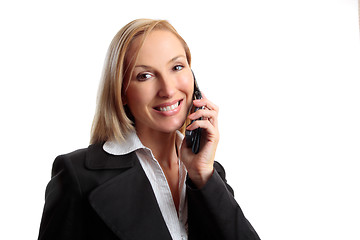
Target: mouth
167 107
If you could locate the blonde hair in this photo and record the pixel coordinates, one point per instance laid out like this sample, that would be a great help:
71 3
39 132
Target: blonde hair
112 121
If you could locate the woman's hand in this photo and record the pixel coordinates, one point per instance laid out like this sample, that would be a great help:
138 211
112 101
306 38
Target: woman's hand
200 166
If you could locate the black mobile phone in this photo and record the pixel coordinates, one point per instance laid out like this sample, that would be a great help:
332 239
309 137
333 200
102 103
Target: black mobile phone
192 137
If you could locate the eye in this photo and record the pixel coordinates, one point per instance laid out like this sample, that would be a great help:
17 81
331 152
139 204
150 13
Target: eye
143 76
178 67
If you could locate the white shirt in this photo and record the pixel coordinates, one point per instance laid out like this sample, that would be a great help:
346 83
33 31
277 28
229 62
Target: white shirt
177 225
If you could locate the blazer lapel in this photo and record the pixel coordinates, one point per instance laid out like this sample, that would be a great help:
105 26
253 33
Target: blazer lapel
126 202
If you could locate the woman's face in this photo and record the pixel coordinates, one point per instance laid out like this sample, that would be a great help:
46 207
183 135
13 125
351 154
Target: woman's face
161 88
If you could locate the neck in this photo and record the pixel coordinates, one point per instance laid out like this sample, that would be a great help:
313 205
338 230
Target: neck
162 145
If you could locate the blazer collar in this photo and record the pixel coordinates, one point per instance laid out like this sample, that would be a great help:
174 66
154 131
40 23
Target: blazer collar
126 202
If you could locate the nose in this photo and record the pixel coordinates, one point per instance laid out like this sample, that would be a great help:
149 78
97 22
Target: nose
167 86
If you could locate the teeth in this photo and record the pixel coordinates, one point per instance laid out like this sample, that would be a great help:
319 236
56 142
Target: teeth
169 108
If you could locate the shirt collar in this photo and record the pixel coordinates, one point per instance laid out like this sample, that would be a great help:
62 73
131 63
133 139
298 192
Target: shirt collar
132 143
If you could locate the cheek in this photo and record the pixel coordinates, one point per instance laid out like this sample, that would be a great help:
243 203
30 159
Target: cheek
186 84
136 97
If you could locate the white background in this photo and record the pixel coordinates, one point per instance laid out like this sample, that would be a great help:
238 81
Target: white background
284 73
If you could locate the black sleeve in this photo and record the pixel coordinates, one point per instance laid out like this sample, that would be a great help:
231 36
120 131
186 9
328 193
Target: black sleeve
214 213
63 206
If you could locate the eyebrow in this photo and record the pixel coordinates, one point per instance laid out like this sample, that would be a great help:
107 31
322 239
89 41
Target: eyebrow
176 58
142 66
172 60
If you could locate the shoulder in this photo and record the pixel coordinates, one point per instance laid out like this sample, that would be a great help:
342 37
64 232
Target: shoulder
65 160
70 172
75 159
90 167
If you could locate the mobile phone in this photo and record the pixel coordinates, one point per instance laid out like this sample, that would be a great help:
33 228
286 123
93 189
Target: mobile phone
192 137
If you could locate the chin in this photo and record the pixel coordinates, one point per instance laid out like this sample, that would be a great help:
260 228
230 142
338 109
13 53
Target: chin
171 127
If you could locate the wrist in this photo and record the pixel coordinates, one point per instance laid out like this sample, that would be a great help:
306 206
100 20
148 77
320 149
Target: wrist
200 178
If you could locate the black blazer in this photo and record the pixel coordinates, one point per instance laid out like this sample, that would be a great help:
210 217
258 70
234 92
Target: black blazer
96 195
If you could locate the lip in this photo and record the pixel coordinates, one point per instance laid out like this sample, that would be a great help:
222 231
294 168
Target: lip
168 103
170 112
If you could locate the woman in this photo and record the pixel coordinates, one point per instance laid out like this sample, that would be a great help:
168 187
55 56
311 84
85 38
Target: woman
137 180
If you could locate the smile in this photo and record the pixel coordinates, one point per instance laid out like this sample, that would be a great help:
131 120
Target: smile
169 108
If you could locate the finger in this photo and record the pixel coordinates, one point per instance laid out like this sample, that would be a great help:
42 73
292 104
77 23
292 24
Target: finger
204 124
203 95
206 103
205 114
